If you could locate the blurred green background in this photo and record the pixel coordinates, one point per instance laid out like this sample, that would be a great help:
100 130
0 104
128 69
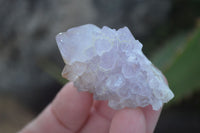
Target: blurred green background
30 63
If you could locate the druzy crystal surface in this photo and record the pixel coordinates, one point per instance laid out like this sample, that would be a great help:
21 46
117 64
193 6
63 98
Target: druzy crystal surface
110 64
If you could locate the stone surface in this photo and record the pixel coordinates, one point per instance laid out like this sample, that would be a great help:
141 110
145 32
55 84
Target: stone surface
28 28
141 16
110 64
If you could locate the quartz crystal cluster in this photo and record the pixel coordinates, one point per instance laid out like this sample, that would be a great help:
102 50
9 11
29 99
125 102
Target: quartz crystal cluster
110 64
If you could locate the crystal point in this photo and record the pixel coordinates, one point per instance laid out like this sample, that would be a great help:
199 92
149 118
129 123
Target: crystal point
110 64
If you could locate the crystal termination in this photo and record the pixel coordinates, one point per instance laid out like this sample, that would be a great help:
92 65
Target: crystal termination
110 64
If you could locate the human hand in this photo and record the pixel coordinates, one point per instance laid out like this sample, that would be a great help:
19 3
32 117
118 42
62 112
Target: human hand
77 112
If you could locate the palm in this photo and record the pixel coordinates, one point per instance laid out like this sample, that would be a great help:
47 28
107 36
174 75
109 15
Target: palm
74 112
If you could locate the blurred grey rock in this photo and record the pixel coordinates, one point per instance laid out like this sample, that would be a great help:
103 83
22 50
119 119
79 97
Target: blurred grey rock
141 16
27 38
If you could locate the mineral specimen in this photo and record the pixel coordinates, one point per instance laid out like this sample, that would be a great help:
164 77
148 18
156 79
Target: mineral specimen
110 64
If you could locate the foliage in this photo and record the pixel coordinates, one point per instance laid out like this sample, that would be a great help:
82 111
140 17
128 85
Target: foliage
180 63
53 70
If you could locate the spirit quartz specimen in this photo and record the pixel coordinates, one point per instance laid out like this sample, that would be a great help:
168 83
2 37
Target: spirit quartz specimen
110 64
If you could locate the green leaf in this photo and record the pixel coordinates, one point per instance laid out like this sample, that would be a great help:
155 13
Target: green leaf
180 62
163 58
53 70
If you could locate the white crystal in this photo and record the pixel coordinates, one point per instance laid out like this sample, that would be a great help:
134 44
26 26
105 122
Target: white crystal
111 65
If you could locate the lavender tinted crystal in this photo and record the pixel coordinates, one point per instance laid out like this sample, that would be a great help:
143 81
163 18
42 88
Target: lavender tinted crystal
110 64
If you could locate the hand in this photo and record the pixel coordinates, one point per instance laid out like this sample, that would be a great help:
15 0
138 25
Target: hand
76 112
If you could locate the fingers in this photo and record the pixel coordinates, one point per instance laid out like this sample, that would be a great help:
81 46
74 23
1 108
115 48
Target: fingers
102 108
71 107
128 121
45 123
100 118
71 112
67 113
151 117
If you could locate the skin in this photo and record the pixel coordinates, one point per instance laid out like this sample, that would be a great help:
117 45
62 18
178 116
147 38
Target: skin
76 112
